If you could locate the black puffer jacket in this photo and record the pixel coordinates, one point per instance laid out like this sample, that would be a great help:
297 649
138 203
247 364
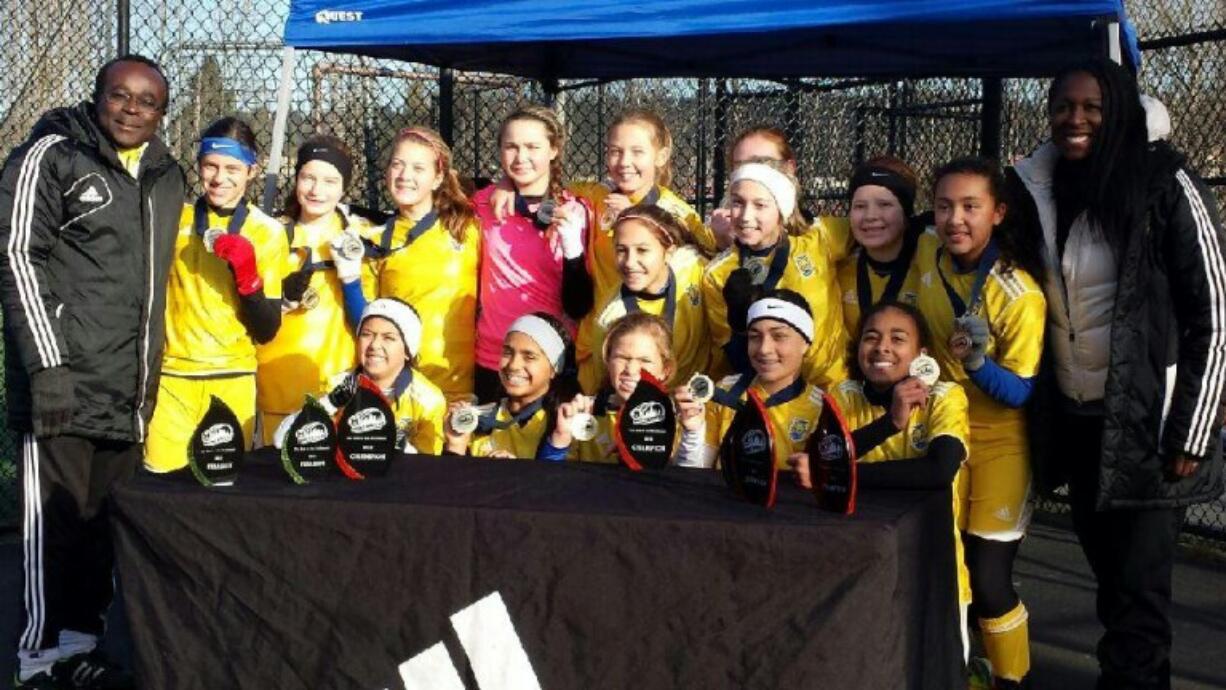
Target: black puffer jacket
86 249
1167 369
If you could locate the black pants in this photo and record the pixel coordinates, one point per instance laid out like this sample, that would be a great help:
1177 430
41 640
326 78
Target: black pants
1132 555
68 559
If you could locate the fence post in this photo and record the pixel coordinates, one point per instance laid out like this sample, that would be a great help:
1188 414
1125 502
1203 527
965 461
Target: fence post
446 104
721 136
123 27
990 117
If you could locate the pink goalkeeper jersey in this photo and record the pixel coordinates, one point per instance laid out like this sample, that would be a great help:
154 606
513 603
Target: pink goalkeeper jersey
521 272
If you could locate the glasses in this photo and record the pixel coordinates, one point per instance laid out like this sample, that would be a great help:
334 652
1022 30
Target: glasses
143 104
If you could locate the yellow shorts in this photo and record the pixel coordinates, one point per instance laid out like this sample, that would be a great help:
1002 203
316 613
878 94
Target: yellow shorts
181 404
994 492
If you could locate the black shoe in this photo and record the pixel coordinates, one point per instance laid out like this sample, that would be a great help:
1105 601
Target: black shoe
38 681
91 671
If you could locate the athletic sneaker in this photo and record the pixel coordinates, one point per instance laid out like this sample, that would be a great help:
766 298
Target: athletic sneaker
38 681
92 671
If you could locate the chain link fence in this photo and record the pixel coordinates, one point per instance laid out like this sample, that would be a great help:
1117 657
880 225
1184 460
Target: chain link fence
225 58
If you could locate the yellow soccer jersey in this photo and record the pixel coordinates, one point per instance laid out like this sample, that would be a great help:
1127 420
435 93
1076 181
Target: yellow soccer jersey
945 415
810 272
438 276
204 336
908 292
691 341
313 345
835 234
1013 305
519 439
791 420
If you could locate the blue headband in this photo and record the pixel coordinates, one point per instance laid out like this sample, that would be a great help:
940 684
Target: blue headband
225 146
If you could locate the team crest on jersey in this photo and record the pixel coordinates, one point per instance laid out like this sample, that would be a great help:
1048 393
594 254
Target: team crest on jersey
804 265
694 296
919 437
798 430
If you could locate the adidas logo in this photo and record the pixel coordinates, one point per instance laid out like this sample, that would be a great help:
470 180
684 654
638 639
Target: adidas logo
90 196
494 650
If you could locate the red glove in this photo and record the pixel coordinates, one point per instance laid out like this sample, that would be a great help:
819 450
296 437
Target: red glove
237 251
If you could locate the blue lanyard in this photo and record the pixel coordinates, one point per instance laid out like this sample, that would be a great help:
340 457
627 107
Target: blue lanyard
986 262
201 219
732 397
898 273
631 302
489 421
419 228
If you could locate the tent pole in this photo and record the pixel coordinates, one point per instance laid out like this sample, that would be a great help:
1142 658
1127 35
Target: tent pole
721 137
272 174
990 117
446 104
123 24
1113 43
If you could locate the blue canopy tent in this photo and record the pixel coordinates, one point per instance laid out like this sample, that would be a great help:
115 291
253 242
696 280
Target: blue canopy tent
552 40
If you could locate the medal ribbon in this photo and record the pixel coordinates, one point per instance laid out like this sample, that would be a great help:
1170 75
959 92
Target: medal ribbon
986 262
630 301
778 262
489 421
200 221
419 228
898 273
732 397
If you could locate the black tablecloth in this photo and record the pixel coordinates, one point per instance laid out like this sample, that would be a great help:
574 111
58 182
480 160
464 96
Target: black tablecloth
610 580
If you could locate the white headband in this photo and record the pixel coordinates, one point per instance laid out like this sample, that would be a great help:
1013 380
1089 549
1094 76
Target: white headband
775 182
782 310
545 336
401 315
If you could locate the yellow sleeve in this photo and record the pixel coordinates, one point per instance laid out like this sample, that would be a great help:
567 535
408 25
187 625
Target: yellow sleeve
835 234
715 307
429 411
949 414
274 261
700 234
372 270
1019 334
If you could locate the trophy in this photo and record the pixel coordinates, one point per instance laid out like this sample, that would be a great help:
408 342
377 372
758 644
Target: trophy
215 451
366 432
926 369
310 444
747 454
832 460
646 426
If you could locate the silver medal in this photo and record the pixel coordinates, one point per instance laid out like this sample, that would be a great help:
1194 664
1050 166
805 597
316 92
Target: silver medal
583 426
210 237
925 369
351 247
310 299
757 270
464 420
701 388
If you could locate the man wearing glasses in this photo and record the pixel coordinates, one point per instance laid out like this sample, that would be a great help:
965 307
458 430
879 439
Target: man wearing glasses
89 209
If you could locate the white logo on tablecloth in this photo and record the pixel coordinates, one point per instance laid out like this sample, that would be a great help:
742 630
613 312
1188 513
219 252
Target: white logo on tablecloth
495 653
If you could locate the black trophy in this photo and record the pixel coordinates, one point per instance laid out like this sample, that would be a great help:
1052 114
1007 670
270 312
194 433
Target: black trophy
747 453
366 432
832 461
309 448
216 448
646 426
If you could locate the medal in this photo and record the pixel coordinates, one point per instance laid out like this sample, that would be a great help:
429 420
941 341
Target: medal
757 270
701 388
583 426
544 212
464 420
210 237
351 247
310 299
960 339
926 369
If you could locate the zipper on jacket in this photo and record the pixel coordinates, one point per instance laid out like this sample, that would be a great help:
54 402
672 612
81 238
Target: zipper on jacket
150 260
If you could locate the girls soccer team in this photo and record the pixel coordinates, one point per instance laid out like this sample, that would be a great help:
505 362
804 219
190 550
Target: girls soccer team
535 292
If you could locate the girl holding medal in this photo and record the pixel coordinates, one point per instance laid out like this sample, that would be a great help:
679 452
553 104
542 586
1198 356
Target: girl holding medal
223 297
772 249
910 429
661 275
426 254
534 259
389 334
889 239
534 366
979 296
780 329
314 343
